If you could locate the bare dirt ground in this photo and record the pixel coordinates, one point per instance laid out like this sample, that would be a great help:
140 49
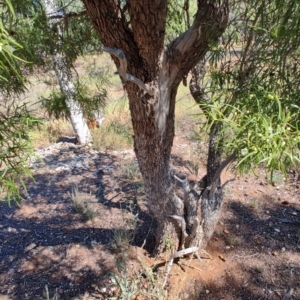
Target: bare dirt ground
254 254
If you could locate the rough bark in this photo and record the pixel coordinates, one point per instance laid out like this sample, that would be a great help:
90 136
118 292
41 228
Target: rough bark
153 154
140 35
66 81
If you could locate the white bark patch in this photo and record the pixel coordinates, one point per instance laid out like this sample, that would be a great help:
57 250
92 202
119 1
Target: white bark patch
64 77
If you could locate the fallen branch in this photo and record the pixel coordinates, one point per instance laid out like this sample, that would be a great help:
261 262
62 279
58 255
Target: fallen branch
123 68
294 222
191 250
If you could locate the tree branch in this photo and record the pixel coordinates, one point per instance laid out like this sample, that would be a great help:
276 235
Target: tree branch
148 22
123 67
216 177
110 22
209 24
58 15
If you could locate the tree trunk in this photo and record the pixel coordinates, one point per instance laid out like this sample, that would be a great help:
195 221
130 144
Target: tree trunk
153 153
65 79
154 74
212 196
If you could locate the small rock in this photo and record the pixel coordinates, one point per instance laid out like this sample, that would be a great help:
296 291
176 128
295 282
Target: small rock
283 249
267 212
227 247
225 231
207 291
112 280
294 213
30 247
275 253
277 229
221 223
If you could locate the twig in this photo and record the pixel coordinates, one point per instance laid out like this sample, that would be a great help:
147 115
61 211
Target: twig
205 252
289 294
188 265
145 240
294 222
123 68
246 256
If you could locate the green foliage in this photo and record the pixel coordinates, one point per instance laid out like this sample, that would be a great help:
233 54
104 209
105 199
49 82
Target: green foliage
180 14
55 105
11 79
89 100
73 36
253 84
15 122
128 287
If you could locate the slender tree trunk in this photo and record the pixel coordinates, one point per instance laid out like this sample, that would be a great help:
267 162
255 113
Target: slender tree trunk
212 196
65 79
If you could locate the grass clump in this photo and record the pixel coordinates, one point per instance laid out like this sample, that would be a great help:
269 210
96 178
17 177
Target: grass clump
131 171
82 203
124 236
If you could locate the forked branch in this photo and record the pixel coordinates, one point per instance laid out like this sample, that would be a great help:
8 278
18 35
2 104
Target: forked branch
123 68
223 165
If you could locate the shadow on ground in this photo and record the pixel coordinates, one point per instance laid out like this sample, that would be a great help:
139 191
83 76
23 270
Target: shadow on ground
255 255
44 241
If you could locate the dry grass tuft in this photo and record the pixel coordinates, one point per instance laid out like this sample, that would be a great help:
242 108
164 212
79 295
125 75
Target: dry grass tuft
82 203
